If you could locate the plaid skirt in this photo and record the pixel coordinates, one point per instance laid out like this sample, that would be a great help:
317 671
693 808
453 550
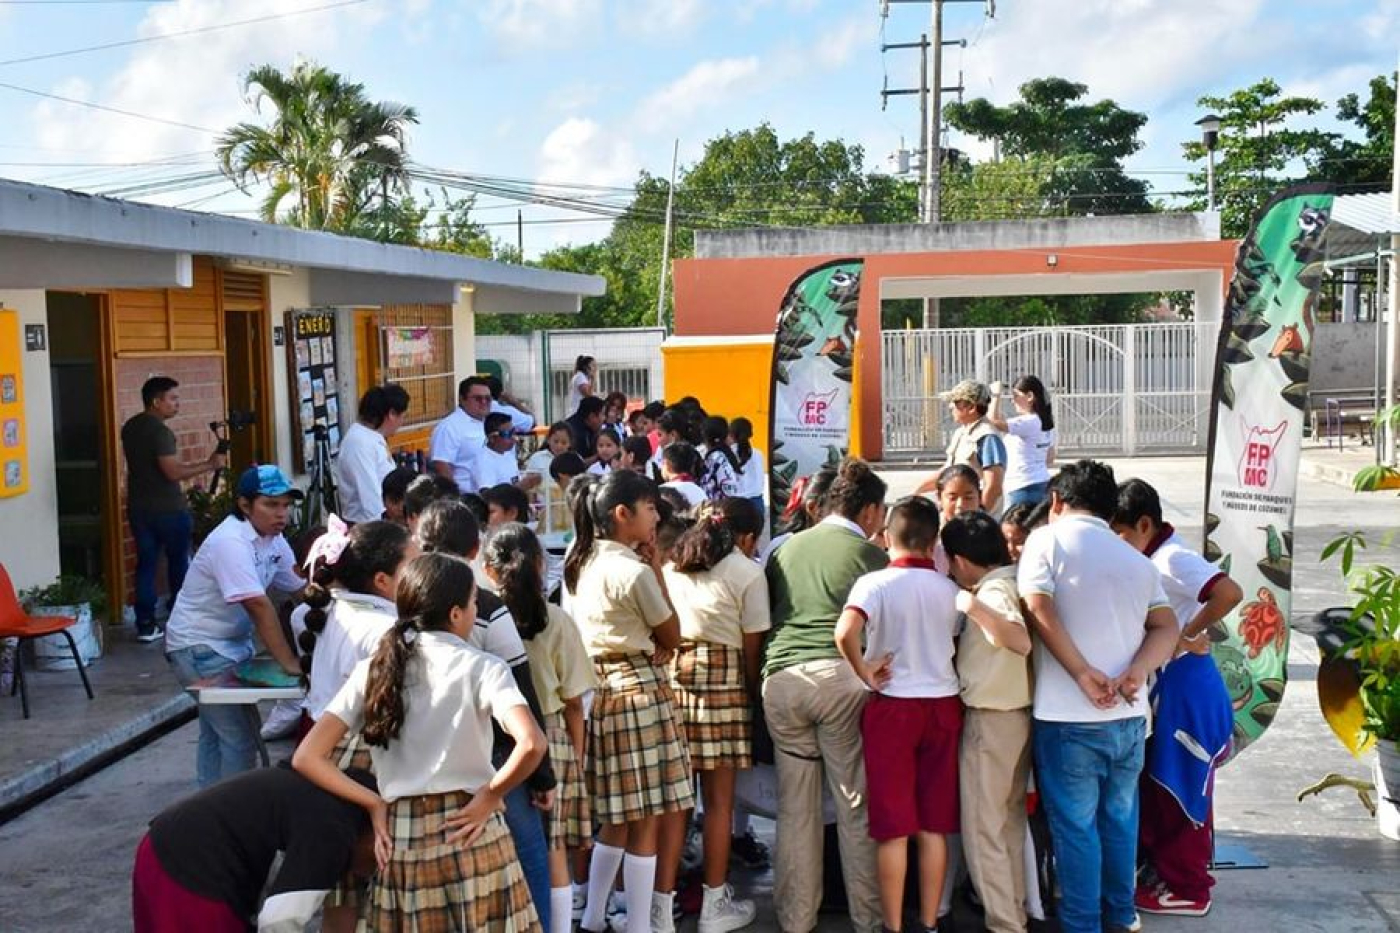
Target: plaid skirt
570 825
432 886
350 752
714 706
637 765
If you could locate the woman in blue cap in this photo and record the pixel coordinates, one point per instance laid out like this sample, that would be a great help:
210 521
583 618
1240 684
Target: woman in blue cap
210 629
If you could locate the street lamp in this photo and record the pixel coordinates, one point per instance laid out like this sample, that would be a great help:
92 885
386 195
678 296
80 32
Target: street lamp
1210 136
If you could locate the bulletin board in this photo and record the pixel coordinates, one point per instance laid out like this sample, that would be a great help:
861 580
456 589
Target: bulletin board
14 450
312 363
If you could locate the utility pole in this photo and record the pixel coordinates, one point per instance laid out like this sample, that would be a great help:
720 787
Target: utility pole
933 126
520 236
666 241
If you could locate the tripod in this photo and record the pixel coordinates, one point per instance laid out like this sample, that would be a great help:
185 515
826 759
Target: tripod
321 496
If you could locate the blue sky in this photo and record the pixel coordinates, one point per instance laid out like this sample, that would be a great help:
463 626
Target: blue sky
592 91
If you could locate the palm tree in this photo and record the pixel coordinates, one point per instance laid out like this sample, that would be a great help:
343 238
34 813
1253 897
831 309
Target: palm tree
328 148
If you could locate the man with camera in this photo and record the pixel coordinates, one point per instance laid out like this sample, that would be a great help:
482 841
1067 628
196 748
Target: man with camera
364 458
155 500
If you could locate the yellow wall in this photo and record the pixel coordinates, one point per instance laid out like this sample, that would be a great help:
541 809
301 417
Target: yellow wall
729 378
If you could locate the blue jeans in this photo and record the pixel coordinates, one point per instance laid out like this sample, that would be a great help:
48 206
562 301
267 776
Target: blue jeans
1087 774
1033 494
228 735
526 826
168 533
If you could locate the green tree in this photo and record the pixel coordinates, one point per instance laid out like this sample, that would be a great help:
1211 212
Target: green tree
338 157
1364 162
1085 144
1010 188
1258 152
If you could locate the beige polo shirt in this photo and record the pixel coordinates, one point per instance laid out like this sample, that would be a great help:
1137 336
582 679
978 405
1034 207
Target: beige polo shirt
994 677
559 665
617 602
722 604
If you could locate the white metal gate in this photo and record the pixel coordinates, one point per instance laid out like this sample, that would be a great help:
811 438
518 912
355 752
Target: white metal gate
1117 389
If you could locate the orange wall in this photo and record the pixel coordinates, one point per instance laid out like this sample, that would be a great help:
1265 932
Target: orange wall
731 297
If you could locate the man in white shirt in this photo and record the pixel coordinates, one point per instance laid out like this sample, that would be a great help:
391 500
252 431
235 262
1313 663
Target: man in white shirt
1103 623
522 419
364 458
224 599
457 438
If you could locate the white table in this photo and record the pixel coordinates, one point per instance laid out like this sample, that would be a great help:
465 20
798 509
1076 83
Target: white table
226 690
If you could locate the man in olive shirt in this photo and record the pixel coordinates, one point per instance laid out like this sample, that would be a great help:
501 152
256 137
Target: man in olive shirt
155 501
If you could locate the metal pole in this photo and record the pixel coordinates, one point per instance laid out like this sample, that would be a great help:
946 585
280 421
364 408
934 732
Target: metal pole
520 235
666 241
1210 179
933 146
923 122
1392 348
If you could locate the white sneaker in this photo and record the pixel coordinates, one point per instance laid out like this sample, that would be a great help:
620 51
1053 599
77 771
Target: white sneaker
281 720
721 912
662 919
615 914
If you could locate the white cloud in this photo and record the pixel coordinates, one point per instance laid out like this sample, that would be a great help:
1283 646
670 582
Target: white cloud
581 150
661 17
836 45
540 23
705 85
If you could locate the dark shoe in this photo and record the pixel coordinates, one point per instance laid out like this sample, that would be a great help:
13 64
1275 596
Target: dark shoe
148 633
749 852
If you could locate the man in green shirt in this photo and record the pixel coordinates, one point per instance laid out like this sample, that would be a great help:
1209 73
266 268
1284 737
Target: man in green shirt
155 501
812 702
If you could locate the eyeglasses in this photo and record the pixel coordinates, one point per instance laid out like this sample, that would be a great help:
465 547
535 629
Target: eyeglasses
473 397
505 434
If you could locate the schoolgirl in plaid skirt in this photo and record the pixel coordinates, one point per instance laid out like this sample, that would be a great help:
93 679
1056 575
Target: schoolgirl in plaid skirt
562 675
424 705
721 600
637 768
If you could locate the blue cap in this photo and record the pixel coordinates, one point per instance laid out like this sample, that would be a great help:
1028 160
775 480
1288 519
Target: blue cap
265 480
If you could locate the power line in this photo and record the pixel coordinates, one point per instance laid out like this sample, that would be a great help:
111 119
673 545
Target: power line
195 31
105 109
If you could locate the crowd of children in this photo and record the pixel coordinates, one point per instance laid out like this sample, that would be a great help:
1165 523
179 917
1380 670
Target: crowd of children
514 748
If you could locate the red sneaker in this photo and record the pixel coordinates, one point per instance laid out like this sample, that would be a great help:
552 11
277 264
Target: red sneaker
1159 900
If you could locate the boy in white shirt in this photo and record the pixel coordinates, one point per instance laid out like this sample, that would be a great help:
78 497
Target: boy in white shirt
909 615
1103 624
1193 716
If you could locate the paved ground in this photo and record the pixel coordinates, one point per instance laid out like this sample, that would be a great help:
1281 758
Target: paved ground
65 864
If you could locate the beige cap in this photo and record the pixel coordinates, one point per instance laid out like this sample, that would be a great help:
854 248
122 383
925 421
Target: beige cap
971 391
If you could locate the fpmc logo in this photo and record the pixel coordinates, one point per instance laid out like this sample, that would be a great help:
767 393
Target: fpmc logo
817 408
1258 465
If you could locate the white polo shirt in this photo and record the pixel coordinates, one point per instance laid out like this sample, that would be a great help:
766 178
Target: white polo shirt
360 468
753 479
233 564
355 624
1027 448
451 692
911 611
455 440
692 493
1187 577
1102 589
491 468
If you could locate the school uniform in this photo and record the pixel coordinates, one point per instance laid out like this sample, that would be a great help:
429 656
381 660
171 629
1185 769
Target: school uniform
562 671
637 764
994 759
910 728
720 480
693 494
716 609
441 757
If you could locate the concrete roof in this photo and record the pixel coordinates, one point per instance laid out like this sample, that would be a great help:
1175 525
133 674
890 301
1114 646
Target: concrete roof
867 239
42 213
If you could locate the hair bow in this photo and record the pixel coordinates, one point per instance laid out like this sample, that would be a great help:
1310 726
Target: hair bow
409 635
799 491
330 545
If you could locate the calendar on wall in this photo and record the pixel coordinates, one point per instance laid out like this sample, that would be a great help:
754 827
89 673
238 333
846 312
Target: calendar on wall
313 367
14 451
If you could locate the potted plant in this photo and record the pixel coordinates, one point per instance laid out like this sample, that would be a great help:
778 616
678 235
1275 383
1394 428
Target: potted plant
76 597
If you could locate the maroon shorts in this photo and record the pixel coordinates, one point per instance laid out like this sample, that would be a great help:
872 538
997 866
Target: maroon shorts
911 764
159 905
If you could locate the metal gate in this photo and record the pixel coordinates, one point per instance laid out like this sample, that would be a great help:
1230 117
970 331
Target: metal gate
1117 389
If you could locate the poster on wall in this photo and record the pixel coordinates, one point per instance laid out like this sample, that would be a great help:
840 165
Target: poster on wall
14 452
1260 392
408 346
813 364
315 410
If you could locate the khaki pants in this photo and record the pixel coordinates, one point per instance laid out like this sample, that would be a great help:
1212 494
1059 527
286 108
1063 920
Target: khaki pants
813 712
994 762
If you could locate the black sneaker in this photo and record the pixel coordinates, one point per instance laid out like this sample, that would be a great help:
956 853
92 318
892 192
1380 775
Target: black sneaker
749 852
146 634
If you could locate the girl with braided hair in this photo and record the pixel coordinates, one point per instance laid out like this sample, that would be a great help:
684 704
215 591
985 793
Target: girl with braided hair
424 704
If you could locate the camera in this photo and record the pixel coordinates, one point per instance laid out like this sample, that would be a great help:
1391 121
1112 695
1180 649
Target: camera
237 420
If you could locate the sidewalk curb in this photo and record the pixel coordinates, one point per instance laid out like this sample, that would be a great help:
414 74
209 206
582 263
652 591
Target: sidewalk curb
46 778
1325 472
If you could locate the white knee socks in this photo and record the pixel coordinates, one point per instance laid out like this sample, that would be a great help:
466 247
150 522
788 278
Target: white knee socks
561 910
639 879
602 872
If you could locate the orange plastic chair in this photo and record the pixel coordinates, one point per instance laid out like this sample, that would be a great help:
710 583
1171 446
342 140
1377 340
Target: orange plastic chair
16 623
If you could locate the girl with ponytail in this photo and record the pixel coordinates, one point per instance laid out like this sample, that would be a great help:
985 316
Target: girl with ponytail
753 479
721 600
425 703
562 675
720 476
637 768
